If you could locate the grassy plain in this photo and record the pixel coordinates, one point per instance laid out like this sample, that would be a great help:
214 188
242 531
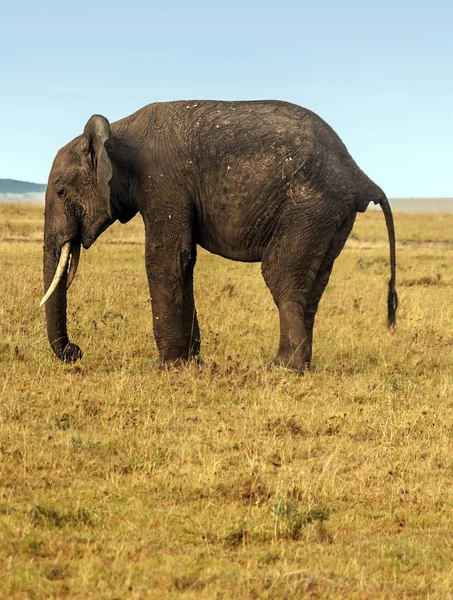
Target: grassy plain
228 480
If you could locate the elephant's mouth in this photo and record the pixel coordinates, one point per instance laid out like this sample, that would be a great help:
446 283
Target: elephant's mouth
69 255
90 234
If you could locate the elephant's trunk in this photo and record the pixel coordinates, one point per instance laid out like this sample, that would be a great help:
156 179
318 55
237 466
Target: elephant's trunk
57 251
56 303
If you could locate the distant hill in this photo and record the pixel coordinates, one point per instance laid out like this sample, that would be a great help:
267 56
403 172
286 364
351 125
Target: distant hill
12 186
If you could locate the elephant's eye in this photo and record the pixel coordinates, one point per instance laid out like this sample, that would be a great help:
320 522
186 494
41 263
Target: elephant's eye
61 192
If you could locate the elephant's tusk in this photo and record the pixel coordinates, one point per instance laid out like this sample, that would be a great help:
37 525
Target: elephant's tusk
75 255
61 268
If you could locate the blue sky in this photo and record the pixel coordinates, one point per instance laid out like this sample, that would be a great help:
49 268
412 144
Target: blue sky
381 73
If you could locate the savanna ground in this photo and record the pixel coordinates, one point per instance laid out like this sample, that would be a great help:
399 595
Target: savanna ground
228 480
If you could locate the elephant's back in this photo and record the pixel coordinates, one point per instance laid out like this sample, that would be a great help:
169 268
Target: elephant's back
220 126
269 139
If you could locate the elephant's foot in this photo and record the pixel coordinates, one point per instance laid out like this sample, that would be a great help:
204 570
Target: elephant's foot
166 365
290 363
71 353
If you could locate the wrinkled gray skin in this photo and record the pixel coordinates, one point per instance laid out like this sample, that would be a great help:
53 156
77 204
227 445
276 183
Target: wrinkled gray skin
251 181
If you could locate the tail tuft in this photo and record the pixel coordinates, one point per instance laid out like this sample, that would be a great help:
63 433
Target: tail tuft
392 305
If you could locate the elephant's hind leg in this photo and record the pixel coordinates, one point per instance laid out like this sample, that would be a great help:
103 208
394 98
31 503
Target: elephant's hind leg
189 313
313 299
293 351
323 276
290 267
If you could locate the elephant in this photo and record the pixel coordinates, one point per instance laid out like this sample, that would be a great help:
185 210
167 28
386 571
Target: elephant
253 181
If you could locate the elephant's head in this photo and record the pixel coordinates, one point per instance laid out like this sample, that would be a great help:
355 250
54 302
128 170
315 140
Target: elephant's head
79 206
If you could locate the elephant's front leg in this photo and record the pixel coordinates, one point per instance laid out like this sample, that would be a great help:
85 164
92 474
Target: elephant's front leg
175 324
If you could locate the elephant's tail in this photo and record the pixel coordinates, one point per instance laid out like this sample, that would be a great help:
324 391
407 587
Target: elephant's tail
392 298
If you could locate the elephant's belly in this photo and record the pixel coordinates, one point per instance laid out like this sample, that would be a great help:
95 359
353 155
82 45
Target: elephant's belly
231 239
228 250
237 224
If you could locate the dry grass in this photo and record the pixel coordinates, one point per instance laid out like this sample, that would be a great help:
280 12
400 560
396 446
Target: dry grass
228 481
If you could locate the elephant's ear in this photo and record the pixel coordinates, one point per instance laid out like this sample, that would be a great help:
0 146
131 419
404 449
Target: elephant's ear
97 131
